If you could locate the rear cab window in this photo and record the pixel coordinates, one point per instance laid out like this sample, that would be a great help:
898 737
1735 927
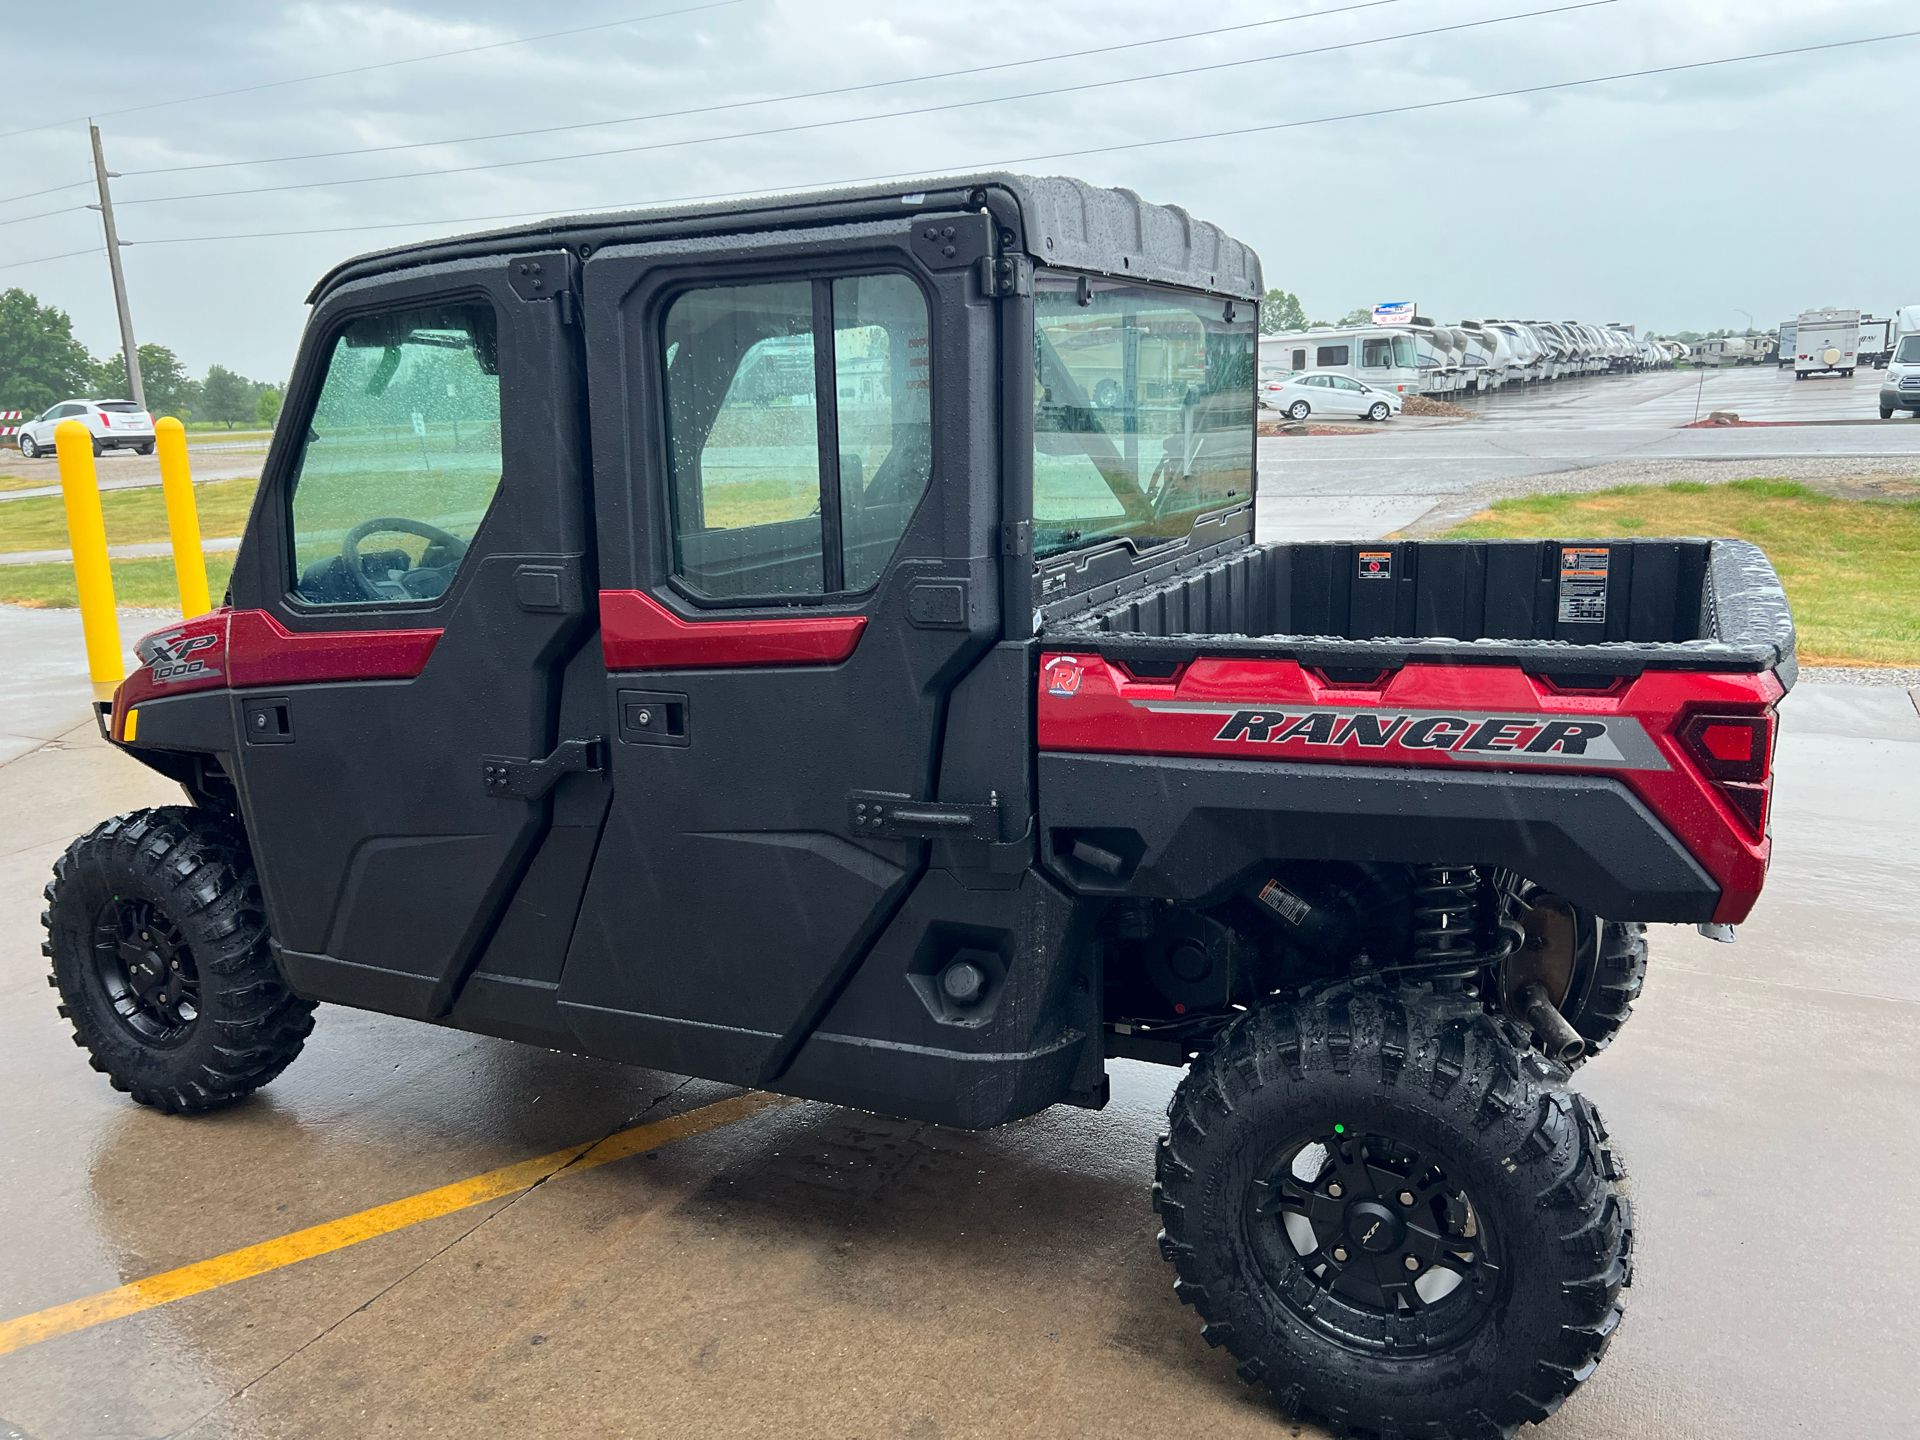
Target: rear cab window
1143 411
799 433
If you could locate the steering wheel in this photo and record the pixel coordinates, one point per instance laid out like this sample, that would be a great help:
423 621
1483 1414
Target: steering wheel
452 546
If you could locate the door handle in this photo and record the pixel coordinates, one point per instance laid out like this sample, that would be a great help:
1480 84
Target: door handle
506 778
653 717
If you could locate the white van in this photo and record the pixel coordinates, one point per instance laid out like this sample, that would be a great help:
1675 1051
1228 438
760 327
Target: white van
1377 355
1900 390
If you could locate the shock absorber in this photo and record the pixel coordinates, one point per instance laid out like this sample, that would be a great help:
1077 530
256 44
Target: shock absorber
1445 901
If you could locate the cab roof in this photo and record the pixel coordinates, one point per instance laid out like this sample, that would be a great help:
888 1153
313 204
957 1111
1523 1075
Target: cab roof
1067 223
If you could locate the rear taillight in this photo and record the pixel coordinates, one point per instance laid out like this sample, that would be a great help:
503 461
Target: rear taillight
1736 753
106 419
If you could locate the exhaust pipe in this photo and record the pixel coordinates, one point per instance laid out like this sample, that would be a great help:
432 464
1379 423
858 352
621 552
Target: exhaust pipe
1557 1038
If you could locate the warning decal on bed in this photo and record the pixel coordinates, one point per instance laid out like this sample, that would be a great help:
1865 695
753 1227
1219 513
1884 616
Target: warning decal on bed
1583 584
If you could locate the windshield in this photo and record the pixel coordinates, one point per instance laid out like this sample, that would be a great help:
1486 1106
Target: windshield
1143 411
1909 351
1403 351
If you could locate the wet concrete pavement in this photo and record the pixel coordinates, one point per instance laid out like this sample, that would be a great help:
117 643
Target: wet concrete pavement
810 1270
1338 486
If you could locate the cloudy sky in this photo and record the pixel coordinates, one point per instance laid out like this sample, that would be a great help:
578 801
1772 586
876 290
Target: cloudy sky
1671 201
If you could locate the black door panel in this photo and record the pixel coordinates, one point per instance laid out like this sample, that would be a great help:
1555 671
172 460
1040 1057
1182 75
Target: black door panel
731 900
388 861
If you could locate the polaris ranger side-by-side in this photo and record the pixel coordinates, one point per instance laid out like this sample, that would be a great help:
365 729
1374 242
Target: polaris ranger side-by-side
819 643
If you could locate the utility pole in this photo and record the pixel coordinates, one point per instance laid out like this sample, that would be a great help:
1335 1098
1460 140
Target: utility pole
137 392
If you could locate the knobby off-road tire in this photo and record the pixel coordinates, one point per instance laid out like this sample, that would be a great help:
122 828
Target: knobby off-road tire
1424 1098
158 940
1604 990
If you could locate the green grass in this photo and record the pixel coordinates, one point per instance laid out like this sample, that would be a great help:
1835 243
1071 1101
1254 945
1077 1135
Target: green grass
214 430
1851 567
133 516
26 482
147 584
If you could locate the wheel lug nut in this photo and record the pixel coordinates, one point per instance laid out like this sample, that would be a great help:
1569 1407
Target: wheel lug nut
1412 1263
1334 1190
1340 1252
1406 1197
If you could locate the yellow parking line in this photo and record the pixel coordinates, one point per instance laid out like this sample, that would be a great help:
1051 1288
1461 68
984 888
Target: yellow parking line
242 1264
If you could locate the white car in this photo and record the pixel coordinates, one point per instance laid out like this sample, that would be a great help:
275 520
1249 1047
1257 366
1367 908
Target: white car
1325 392
114 425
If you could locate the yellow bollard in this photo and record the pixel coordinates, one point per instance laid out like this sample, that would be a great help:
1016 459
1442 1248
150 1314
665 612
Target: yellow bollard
183 517
87 533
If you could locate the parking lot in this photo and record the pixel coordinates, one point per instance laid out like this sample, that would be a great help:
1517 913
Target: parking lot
1618 428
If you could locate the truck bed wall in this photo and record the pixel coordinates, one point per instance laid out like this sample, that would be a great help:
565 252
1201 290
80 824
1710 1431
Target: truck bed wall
1693 604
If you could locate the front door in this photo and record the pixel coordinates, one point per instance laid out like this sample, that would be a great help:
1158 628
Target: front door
414 578
797 517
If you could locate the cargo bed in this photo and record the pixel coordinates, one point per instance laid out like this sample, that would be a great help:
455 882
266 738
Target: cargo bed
1596 715
1574 607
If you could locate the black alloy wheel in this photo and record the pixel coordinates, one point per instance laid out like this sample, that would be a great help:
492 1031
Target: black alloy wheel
147 971
1368 1241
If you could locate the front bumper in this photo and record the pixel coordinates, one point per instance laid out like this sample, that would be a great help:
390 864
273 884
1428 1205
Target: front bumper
1895 399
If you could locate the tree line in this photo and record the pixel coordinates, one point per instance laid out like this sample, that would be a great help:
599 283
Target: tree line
42 363
1281 311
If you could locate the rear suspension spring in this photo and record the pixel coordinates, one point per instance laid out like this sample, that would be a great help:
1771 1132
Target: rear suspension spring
1445 901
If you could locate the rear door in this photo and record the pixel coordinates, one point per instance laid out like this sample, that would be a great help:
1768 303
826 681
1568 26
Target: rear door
414 578
797 510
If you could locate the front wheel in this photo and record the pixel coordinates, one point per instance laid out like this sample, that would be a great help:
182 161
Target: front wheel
1394 1216
28 449
1379 411
1886 412
1299 410
158 939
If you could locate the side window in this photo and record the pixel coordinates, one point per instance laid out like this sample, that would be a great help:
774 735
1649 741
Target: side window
1332 355
799 432
1376 353
402 456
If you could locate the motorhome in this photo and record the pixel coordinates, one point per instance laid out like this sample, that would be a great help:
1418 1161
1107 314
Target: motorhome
1826 343
1876 342
1788 330
1378 355
1441 356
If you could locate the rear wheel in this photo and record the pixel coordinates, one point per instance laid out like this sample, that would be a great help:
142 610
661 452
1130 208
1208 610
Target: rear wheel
159 946
1299 410
1393 1215
1591 969
146 449
98 448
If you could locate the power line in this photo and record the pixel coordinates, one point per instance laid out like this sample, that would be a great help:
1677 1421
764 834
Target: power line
908 113
765 99
1099 149
50 190
44 214
43 259
378 65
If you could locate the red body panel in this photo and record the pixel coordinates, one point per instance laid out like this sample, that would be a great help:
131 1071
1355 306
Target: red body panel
1087 703
637 632
240 649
